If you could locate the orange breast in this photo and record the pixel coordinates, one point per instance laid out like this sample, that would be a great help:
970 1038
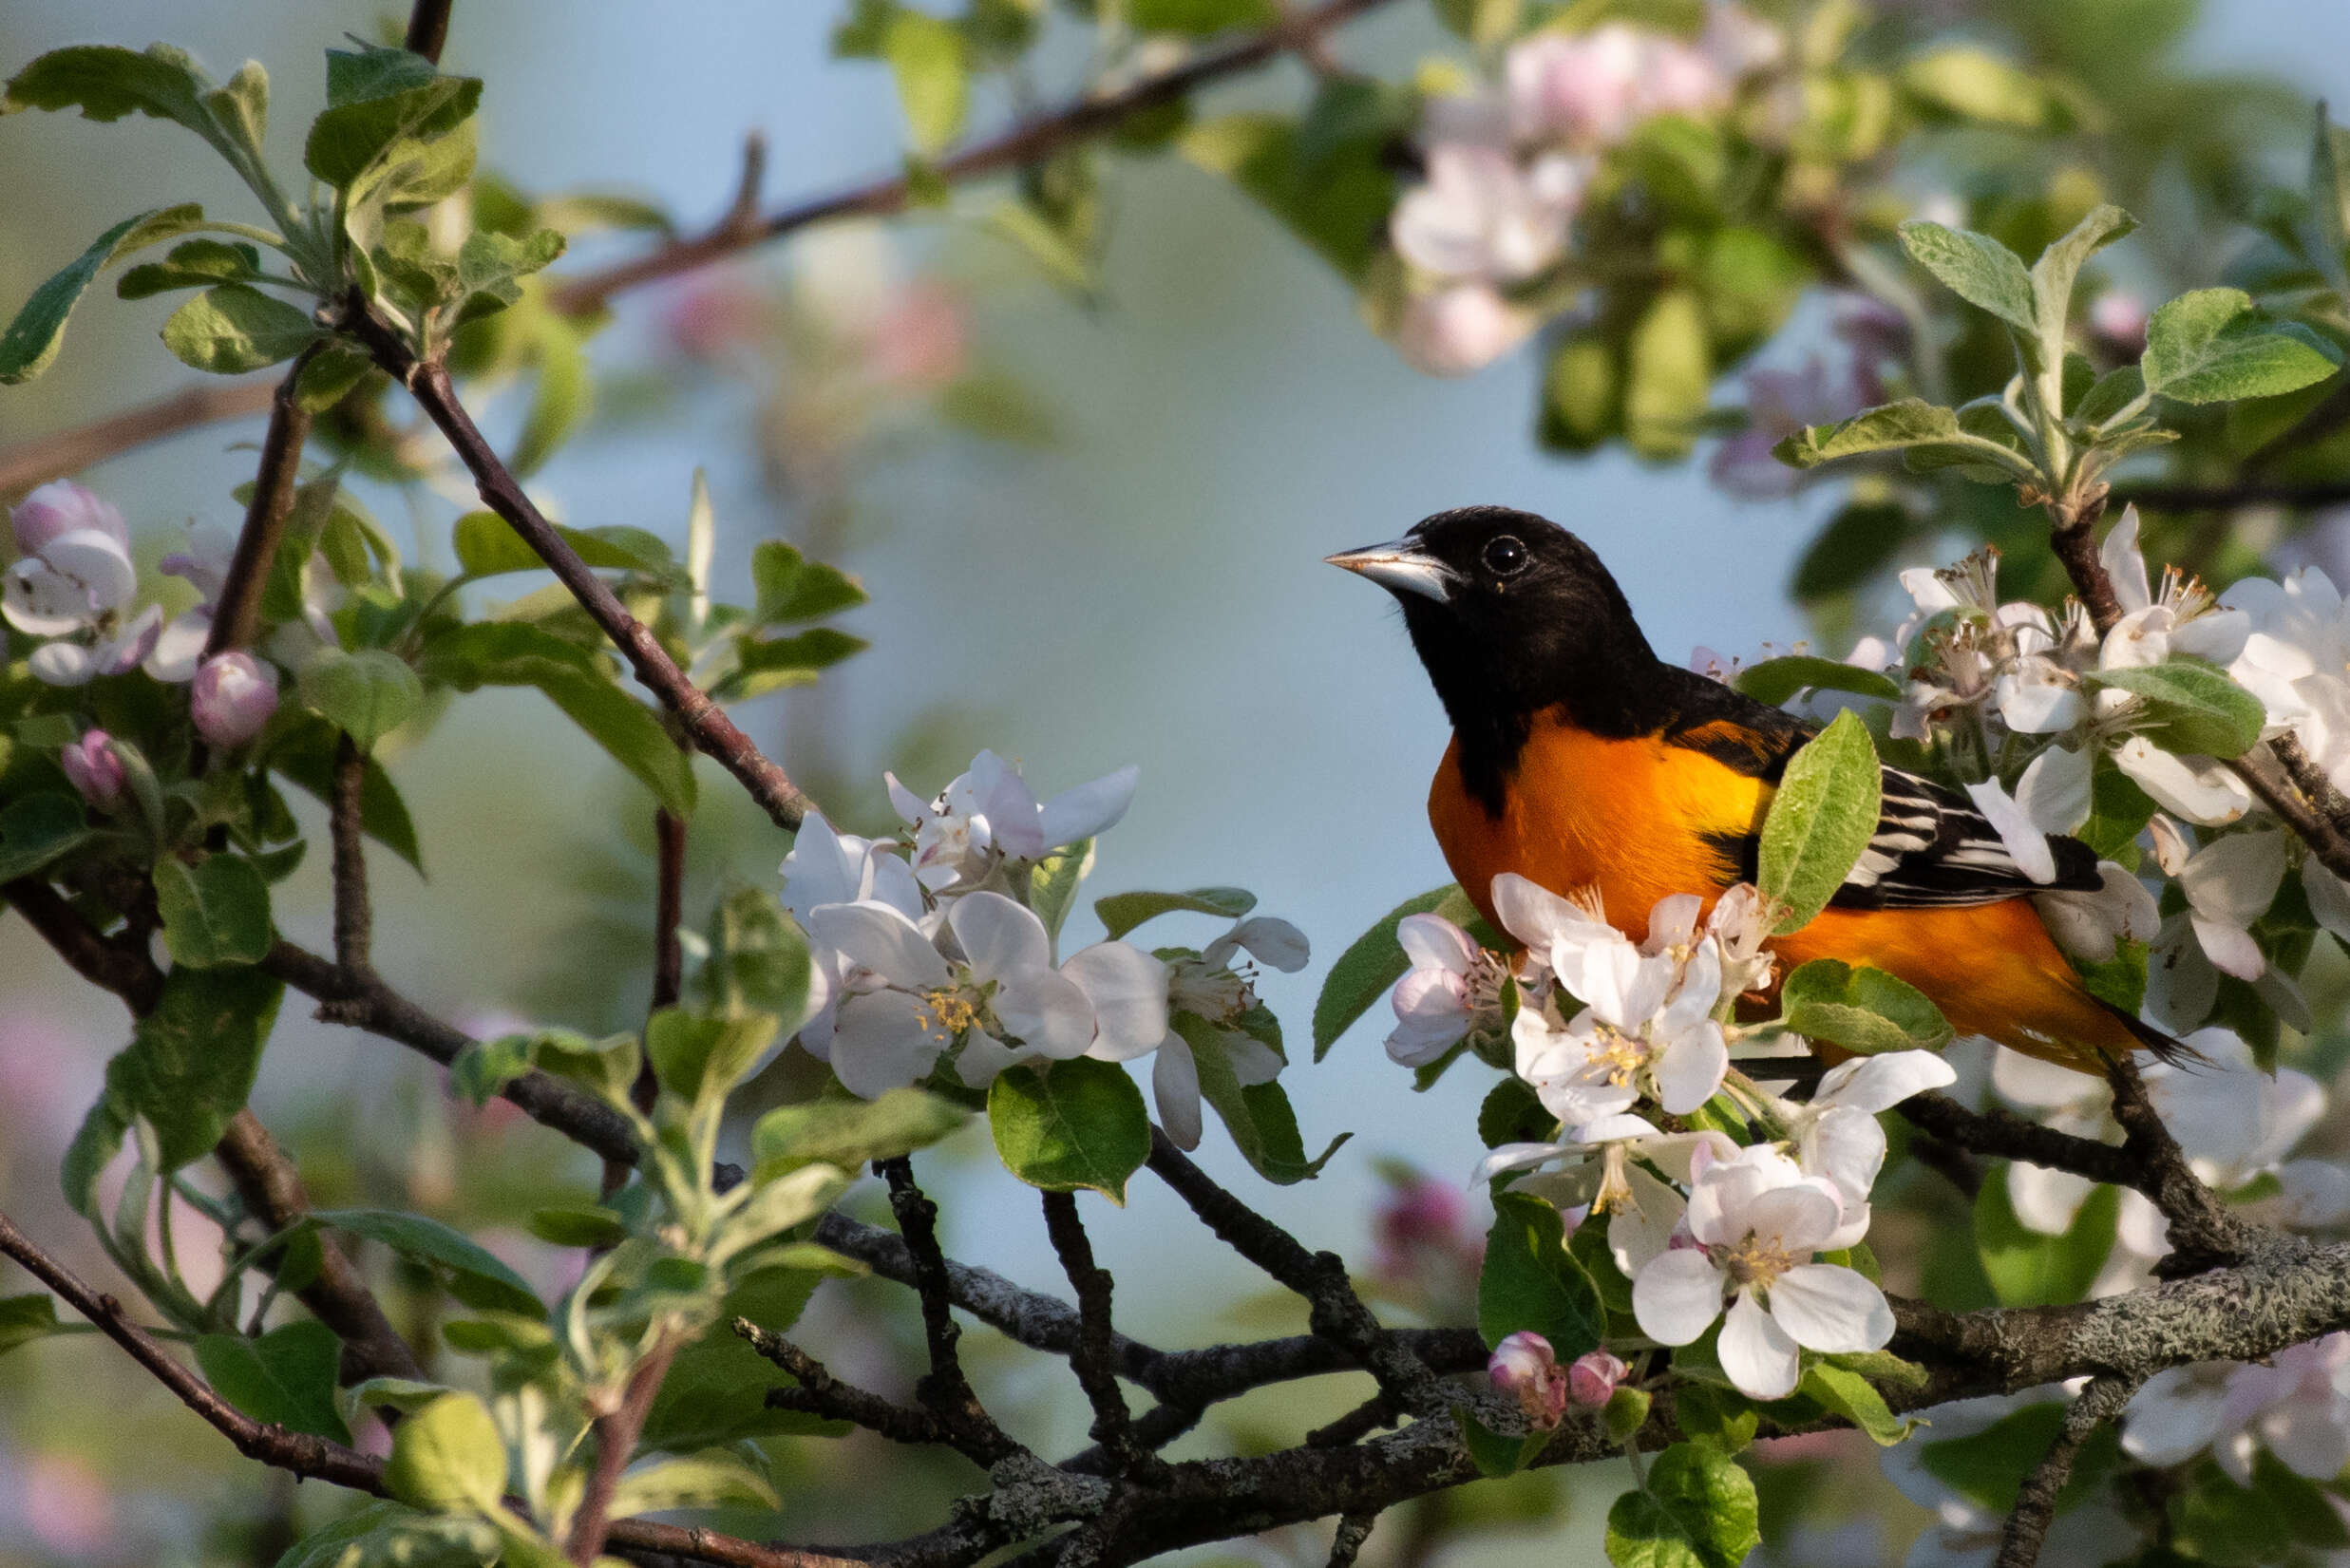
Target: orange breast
1632 818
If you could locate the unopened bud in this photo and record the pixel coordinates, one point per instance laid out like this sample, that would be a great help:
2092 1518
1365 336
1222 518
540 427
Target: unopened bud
232 697
93 767
1593 1378
1525 1368
1627 1412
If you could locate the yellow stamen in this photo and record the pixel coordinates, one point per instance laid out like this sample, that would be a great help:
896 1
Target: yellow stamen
1756 1261
948 1009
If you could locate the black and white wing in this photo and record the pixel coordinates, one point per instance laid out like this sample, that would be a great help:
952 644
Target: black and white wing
1934 849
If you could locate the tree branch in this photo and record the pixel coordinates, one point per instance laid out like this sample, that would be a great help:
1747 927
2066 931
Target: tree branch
1022 146
1094 1359
2006 1135
1353 1529
1336 1313
428 29
703 719
2026 1529
209 402
237 614
943 1390
2202 1230
616 1440
826 1396
353 919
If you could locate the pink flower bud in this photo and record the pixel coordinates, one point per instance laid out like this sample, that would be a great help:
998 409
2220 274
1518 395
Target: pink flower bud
1593 1378
93 768
232 697
2119 317
1419 1211
1525 1368
62 506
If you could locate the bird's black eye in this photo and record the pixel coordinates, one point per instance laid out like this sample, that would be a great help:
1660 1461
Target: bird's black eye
1506 557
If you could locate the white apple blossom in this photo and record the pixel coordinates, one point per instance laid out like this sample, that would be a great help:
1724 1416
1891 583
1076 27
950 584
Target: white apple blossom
73 586
1461 329
1758 1220
1646 1027
2297 1408
2229 884
2297 661
988 815
1837 1135
828 867
1483 216
1610 1166
1453 989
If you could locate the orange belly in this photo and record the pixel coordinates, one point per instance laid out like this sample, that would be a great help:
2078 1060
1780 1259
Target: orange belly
1630 819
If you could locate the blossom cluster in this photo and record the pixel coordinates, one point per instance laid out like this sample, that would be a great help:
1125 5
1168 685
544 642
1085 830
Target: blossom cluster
1509 167
928 955
73 586
1614 1036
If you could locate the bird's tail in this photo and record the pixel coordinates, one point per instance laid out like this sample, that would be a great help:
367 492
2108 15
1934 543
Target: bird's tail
2167 1048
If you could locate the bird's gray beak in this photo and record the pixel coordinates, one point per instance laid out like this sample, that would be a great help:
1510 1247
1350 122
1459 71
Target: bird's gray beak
1400 568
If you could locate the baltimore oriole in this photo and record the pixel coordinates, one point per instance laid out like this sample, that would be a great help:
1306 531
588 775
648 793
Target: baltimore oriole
1580 760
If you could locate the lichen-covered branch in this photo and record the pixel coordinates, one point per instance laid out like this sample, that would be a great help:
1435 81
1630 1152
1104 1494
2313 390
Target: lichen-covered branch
2026 1530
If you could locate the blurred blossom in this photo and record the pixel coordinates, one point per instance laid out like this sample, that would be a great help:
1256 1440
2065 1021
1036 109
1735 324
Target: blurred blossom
93 767
2297 1408
1427 1253
1876 332
921 340
1481 216
1459 330
2118 319
711 316
61 508
64 1504
1525 1369
1593 1378
1779 404
232 697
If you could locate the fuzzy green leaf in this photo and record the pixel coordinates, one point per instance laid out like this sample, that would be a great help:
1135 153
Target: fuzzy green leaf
1530 1282
234 327
1698 1511
1978 269
2191 709
1080 1124
367 695
31 343
2210 346
216 912
1821 820
1863 1010
1121 912
285 1375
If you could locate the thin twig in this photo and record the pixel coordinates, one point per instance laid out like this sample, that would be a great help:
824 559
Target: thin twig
703 719
822 1395
2006 1135
366 1002
616 1440
2202 1228
69 451
2026 1529
236 612
121 968
668 909
1094 1359
1358 1424
1336 1313
1020 146
428 29
943 1390
353 918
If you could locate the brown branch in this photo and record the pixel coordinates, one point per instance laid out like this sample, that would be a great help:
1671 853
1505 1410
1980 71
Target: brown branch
1353 1529
2026 1529
236 614
2203 1231
209 402
121 968
353 918
428 29
1336 1313
668 910
822 1395
943 1390
616 1440
1020 146
364 1002
1094 1359
703 719
2006 1135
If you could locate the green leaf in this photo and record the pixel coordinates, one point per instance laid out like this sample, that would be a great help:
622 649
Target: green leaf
1670 376
487 547
1052 886
1821 819
1978 269
330 376
758 958
2027 1269
1121 912
562 397
376 99
474 1274
286 1377
1712 1414
769 664
31 343
716 1388
608 1066
718 1479
105 81
486 1067
1511 1113
1854 1397
306 757
1698 1511
2060 266
1372 963
1863 1010
26 1319
696 1057
925 55
1974 84
1336 201
392 1534
578 1225
2218 1522
1198 18
241 109
1530 1282
190 264
1773 681
850 1133
1987 1468
2210 346
216 912
1497 1454
449 1453
789 587
511 653
234 327
367 695
2191 709
37 830
190 1063
2112 393
1079 1125
1890 426
1259 1116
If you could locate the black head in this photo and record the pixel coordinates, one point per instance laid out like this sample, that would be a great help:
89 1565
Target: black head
1514 614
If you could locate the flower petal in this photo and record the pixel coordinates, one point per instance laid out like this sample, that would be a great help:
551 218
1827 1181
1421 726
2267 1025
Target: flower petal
2054 790
1088 809
1827 1306
1874 1084
2027 843
1798 1217
881 939
2198 789
1677 1297
1128 988
1431 941
1274 942
1175 1085
1691 1067
1001 937
880 1044
1759 1357
1046 1010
